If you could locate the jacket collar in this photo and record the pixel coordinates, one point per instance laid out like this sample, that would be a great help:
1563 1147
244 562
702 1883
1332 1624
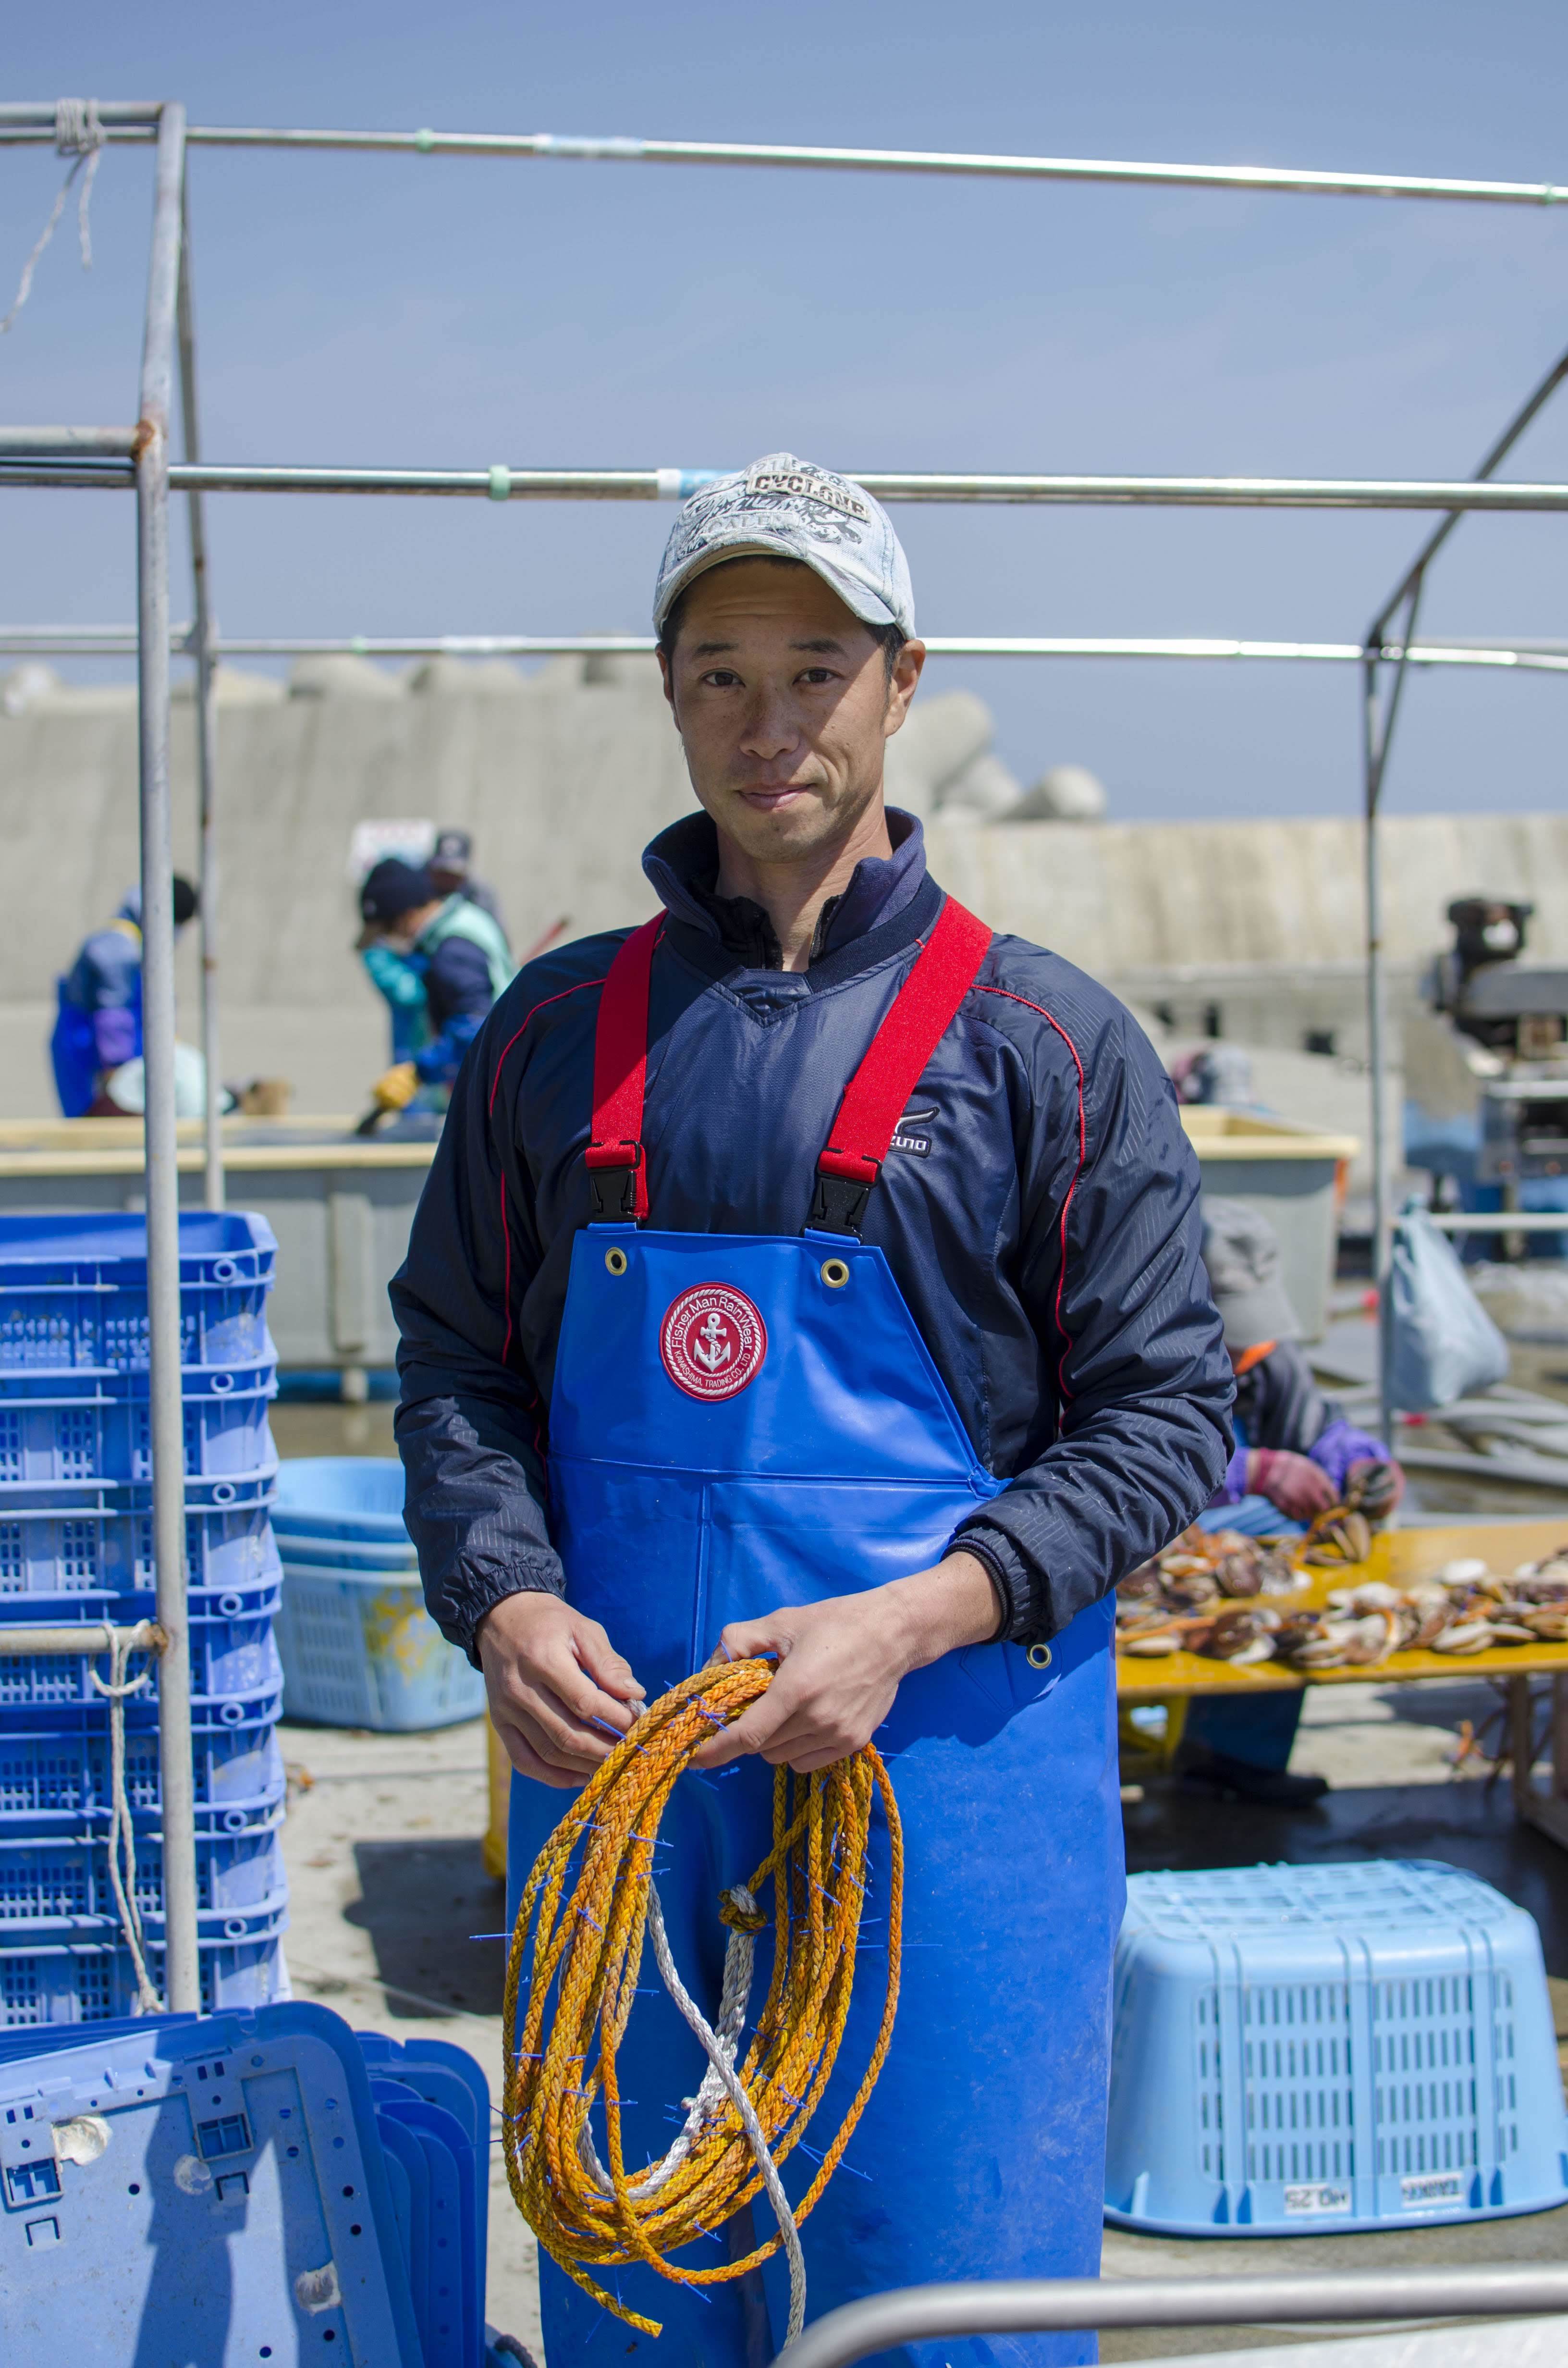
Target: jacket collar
682 864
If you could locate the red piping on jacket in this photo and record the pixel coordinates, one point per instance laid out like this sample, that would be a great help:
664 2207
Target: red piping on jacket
1083 1155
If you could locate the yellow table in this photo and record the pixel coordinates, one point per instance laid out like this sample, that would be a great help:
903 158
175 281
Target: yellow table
1402 1557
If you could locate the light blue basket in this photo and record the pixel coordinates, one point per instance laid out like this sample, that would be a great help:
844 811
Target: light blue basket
1304 2050
62 1432
74 1290
64 1983
357 1645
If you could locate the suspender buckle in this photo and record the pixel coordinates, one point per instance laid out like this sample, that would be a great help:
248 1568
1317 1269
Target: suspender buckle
618 1191
838 1204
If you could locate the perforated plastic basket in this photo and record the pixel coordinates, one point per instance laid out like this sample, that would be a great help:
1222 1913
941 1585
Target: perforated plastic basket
359 1649
74 1290
1300 2050
61 1430
57 1886
55 1984
355 1499
100 1543
227 1656
60 1773
236 2207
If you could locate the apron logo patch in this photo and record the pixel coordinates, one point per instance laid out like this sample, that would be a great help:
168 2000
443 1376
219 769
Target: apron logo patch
712 1341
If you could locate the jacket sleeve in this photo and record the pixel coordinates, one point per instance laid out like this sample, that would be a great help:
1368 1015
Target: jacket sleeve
1113 1280
469 1418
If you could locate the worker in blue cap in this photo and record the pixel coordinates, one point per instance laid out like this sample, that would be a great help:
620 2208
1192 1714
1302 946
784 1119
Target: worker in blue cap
97 1026
456 953
812 1273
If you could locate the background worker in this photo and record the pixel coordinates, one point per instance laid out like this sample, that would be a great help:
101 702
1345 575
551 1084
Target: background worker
1295 1455
449 868
700 1355
461 959
97 1026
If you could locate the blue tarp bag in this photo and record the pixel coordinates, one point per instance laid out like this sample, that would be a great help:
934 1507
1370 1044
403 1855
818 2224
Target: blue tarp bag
1445 1345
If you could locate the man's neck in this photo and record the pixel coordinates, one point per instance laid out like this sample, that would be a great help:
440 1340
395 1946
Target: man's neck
793 893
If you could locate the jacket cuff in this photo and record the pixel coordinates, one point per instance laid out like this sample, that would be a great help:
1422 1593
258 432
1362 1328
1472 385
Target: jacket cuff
463 1596
1009 1575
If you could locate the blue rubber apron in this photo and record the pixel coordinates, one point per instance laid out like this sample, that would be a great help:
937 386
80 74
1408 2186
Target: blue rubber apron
739 1422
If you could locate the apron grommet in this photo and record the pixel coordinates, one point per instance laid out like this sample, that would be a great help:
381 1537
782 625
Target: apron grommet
1039 1657
835 1273
616 1260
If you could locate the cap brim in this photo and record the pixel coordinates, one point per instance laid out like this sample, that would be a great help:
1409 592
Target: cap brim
857 598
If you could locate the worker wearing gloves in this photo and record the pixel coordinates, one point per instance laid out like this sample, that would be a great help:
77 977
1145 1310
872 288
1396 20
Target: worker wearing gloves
1295 1455
460 956
810 1272
98 1024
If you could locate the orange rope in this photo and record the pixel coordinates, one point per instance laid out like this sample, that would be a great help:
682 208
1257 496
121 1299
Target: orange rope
586 1956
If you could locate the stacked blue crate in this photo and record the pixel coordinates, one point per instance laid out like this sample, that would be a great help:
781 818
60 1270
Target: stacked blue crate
76 1545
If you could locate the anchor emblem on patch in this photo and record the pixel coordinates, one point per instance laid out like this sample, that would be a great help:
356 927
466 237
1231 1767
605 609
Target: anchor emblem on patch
712 1341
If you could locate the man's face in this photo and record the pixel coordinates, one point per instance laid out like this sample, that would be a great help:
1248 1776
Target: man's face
783 705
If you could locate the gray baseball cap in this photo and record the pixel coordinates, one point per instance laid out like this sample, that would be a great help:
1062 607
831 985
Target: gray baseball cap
784 508
1241 1250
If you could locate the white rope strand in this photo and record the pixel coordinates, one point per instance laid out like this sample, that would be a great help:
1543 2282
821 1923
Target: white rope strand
79 135
121 1831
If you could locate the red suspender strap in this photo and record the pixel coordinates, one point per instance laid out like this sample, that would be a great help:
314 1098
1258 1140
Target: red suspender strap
620 1076
878 1093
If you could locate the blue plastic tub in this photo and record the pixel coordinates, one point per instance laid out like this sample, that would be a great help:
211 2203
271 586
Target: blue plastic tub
62 1432
1305 2050
62 1881
357 1498
359 1649
101 1543
342 1554
62 1985
227 1656
447 2078
74 1290
55 1779
238 2206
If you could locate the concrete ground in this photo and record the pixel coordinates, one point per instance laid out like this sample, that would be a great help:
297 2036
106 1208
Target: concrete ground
396 1926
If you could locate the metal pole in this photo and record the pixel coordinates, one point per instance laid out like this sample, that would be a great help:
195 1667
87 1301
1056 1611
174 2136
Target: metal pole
1021 2306
182 1981
206 736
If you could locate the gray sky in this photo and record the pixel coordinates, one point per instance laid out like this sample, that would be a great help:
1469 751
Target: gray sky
419 309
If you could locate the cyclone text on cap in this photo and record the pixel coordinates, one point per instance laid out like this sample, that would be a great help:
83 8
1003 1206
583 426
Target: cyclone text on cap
782 507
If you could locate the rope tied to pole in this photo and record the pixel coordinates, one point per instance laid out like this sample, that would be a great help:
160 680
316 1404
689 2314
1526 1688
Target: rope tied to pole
122 1831
79 135
587 1941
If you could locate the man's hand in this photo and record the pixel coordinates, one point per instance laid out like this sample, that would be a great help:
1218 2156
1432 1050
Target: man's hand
840 1662
1301 1488
557 1689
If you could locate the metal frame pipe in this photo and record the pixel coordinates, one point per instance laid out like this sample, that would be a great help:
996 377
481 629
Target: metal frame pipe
200 643
87 1636
28 124
1038 2306
41 443
181 1967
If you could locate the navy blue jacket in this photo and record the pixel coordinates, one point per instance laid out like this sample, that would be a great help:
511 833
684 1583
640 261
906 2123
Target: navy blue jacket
1042 1224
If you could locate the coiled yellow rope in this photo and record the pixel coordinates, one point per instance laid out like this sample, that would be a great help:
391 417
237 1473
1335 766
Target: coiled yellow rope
586 1954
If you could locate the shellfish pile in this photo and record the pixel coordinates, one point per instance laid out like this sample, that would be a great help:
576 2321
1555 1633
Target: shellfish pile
1208 1594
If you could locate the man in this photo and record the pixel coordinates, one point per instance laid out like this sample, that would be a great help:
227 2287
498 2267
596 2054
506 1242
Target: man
449 868
99 1025
866 1327
456 952
1295 1455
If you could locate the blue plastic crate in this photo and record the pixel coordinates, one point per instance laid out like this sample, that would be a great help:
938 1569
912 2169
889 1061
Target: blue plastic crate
61 1431
209 1716
359 1649
452 2090
1302 2050
55 1984
74 1290
227 1656
233 2198
101 1543
342 1554
62 1881
60 1773
355 1499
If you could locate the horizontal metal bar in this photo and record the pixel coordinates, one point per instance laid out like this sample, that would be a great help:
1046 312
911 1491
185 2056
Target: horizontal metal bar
44 443
943 164
119 640
1521 1220
83 1636
120 113
1021 2306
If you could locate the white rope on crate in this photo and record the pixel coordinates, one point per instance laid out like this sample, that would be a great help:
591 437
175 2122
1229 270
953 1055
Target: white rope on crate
122 1831
79 135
